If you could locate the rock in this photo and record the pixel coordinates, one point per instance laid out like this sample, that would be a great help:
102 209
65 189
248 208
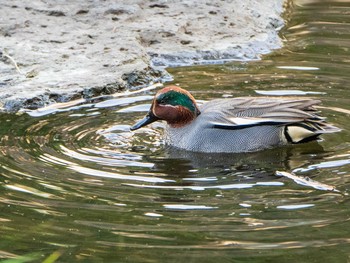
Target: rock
84 49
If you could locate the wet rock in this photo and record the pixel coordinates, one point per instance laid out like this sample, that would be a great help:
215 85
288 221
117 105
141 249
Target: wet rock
59 51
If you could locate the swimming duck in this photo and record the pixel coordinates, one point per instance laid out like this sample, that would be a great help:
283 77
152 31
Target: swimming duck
243 124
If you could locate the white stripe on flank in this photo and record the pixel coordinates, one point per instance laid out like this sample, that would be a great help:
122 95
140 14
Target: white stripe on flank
250 121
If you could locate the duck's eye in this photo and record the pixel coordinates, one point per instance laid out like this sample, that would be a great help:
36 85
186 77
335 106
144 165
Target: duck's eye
162 101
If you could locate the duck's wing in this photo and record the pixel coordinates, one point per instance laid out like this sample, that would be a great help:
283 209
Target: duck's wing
298 115
247 111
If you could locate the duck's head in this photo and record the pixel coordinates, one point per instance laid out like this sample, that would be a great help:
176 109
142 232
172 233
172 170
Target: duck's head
174 105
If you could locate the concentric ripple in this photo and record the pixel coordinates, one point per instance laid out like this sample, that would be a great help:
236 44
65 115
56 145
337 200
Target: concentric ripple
85 171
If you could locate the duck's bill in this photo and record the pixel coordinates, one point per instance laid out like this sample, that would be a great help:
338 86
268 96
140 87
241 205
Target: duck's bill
149 118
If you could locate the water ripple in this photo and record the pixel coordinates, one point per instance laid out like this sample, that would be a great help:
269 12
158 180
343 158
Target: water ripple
98 173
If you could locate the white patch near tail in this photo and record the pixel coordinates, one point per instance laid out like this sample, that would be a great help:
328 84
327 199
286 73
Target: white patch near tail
298 134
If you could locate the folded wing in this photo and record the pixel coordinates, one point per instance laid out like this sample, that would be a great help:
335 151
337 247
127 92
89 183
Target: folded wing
299 117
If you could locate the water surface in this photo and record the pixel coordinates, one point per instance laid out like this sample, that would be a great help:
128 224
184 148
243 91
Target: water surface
76 184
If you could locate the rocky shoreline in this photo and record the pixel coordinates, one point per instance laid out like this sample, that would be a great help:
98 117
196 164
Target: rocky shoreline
64 50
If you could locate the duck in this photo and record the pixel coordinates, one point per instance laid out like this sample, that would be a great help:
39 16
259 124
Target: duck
233 125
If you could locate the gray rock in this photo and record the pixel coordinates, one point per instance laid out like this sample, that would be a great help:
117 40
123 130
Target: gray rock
60 50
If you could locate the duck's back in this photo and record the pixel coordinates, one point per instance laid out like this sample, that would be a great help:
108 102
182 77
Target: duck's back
249 124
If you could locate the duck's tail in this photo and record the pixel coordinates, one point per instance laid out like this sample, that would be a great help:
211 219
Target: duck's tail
308 130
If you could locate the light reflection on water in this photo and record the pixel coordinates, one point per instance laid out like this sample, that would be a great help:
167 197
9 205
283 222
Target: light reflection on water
74 179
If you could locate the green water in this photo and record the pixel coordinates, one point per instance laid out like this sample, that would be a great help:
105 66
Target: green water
78 186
